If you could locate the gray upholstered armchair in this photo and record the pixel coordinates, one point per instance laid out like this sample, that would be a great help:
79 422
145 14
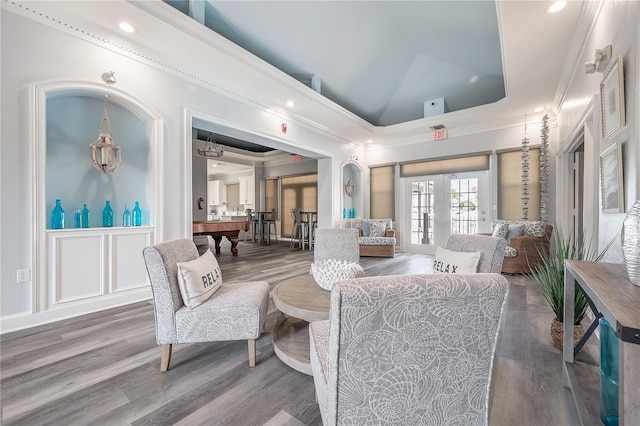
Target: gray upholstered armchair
408 349
234 312
491 250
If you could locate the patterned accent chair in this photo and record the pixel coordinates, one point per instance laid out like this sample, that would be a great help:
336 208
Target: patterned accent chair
383 245
336 243
236 311
525 249
491 250
408 349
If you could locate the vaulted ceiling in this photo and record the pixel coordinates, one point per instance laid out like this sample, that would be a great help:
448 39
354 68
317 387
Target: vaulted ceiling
380 60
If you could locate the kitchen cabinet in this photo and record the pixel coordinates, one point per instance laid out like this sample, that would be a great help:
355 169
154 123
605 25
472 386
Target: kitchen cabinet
216 192
247 190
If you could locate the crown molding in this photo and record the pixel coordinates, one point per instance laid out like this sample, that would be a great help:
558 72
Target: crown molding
586 24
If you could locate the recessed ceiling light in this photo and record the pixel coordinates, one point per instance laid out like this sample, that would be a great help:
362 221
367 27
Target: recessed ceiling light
127 27
369 141
556 6
539 109
473 79
290 104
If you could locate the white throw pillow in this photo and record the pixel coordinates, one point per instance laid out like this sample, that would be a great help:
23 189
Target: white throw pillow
377 229
455 262
198 279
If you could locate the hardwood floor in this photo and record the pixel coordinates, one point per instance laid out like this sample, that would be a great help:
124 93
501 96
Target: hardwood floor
104 368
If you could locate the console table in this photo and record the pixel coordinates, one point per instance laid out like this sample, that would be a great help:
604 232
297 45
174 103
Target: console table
612 294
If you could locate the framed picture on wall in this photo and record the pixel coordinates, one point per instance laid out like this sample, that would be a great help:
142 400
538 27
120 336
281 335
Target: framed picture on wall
611 183
612 99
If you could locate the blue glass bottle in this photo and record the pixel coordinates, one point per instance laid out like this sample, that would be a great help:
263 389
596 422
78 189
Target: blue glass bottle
126 217
77 219
85 217
608 374
137 215
57 216
344 213
107 215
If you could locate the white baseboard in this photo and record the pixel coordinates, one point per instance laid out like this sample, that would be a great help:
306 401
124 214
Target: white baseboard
23 321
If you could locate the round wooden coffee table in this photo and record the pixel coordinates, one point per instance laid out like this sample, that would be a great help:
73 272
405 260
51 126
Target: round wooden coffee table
299 301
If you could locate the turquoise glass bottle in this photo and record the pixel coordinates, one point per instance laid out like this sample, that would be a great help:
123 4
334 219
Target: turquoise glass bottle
107 215
126 217
137 215
608 374
57 216
85 217
77 219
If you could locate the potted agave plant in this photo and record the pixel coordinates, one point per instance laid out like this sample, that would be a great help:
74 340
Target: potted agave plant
549 275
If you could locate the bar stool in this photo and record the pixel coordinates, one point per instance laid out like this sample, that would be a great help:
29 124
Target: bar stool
269 221
297 230
253 221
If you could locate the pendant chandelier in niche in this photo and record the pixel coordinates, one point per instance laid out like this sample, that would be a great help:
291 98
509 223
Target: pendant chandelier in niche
210 148
105 152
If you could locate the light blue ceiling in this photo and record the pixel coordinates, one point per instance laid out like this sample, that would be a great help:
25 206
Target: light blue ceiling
381 60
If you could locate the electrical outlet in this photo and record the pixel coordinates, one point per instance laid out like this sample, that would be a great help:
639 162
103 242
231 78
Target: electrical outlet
22 275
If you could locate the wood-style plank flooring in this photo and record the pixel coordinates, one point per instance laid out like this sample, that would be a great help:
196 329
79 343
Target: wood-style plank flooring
103 368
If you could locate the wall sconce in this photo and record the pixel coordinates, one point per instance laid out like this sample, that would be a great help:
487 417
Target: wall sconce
109 151
600 62
109 77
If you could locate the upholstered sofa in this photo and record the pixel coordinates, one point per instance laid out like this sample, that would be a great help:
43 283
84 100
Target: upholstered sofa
381 242
526 244
408 349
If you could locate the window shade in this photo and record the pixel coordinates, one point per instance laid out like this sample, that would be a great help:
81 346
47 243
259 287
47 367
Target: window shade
510 185
271 195
297 191
382 192
445 166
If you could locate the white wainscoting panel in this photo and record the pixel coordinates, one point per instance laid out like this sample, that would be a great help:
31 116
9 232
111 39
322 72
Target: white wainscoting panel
77 267
127 266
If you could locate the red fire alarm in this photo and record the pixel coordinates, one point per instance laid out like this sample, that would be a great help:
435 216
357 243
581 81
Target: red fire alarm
283 127
297 158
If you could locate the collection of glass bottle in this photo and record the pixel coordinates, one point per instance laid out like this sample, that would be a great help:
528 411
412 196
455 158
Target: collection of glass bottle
350 214
134 217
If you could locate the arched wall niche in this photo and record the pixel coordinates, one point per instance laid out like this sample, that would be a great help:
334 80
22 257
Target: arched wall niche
351 171
79 270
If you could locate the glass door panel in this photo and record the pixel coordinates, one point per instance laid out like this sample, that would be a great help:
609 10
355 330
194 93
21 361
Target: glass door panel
438 206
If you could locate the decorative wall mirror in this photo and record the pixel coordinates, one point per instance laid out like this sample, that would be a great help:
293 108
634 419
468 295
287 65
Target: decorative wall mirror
350 187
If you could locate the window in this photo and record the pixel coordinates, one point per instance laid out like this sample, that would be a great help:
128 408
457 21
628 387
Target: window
297 191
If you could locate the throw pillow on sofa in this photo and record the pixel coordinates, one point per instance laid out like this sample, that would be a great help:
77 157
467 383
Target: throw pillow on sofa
515 229
364 225
455 262
198 279
501 230
377 229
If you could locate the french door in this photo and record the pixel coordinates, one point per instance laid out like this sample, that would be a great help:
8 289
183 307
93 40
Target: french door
440 205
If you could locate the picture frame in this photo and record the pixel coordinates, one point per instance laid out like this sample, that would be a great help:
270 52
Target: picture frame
612 99
611 179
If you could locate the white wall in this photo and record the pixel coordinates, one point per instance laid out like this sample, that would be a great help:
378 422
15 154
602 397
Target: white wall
617 24
51 52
